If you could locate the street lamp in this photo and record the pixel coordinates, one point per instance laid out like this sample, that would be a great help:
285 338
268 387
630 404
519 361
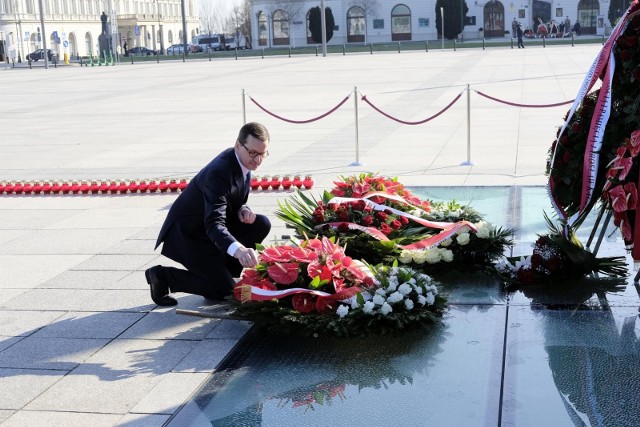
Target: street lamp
159 33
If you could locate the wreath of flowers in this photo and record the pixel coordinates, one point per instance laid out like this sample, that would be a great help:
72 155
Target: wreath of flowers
382 222
313 287
617 172
558 260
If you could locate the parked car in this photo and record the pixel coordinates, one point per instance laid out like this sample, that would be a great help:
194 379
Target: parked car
230 43
194 48
175 49
141 51
39 54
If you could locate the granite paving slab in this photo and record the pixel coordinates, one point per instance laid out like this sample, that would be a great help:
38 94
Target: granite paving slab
88 279
34 219
8 294
4 414
52 299
57 418
115 262
89 325
61 354
133 300
167 396
18 387
111 218
167 325
6 342
206 356
15 323
65 241
25 275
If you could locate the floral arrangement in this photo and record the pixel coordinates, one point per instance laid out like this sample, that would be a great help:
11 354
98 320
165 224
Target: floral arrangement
611 171
382 222
313 287
558 260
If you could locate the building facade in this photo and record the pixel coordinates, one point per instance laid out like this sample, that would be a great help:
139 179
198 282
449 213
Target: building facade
285 22
72 27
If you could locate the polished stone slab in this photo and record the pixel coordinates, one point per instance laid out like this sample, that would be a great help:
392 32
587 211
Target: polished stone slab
567 367
449 376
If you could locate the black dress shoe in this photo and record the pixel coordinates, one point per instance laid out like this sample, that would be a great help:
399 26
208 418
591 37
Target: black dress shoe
159 289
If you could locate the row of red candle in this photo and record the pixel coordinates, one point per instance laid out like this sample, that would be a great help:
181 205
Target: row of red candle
286 183
93 187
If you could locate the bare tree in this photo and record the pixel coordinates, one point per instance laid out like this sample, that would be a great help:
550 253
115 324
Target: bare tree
370 8
212 17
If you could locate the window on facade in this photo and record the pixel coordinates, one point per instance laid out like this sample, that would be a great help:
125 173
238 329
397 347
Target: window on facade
29 6
400 20
559 12
355 21
588 10
88 43
280 25
262 28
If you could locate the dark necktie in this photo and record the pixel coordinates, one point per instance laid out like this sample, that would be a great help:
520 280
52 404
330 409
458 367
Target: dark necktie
247 183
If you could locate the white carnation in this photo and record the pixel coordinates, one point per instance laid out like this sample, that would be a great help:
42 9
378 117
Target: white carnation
408 304
405 289
422 300
405 256
342 311
368 307
419 257
447 255
381 291
378 300
386 309
430 298
446 242
395 297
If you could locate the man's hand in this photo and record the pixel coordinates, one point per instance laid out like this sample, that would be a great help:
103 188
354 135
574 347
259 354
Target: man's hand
246 215
248 257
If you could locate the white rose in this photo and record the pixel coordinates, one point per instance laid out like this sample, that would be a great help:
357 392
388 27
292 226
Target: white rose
408 304
433 256
405 256
463 239
378 300
447 255
342 311
446 242
463 229
386 309
419 257
484 230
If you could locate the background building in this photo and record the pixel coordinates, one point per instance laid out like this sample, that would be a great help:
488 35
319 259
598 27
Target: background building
73 26
283 22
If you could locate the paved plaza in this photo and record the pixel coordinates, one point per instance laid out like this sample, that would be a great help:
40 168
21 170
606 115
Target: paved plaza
81 342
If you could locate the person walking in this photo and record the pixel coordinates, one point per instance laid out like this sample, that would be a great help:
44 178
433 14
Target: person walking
209 228
567 24
520 33
514 27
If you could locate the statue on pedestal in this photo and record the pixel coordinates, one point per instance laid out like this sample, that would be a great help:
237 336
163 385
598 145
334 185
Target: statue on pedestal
104 39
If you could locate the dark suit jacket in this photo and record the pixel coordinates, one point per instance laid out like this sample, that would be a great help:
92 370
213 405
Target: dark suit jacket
204 210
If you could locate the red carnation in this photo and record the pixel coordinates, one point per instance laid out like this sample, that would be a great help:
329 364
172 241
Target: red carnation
367 220
382 216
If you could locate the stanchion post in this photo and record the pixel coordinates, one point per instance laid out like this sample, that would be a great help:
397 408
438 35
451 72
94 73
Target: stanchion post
483 40
355 104
426 46
344 48
131 60
316 50
371 48
244 109
572 39
398 47
236 49
262 53
603 39
468 161
544 41
209 51
454 45
289 51
511 42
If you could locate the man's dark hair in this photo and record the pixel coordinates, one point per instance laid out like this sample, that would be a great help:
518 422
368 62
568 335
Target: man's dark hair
257 130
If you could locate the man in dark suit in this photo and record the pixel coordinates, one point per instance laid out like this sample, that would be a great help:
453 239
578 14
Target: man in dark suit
209 229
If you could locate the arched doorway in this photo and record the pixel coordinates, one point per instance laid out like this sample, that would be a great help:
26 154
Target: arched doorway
263 35
309 39
88 44
170 37
280 23
355 25
588 11
73 45
494 19
55 47
400 23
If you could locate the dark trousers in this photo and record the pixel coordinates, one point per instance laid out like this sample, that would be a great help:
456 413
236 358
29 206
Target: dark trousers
212 279
520 43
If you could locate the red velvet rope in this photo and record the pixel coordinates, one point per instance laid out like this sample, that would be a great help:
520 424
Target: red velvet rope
364 98
514 104
301 121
